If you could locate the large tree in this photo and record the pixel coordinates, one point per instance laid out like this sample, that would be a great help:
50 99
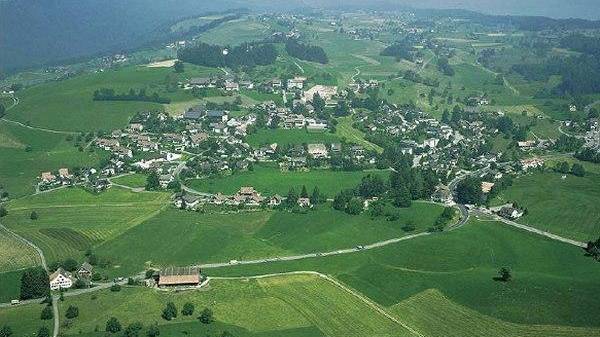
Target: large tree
34 283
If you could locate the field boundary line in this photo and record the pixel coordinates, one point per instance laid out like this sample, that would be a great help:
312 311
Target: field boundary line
335 282
60 132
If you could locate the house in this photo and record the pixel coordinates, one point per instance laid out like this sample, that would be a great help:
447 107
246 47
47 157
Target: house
193 114
296 83
510 212
531 163
526 144
304 202
200 82
165 180
232 86
85 270
248 195
336 147
486 186
48 177
198 138
216 116
275 200
63 173
276 83
60 279
187 201
317 150
136 127
179 276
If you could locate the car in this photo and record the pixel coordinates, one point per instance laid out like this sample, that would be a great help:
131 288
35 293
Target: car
234 261
360 247
14 302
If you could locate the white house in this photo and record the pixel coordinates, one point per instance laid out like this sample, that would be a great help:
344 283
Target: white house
60 279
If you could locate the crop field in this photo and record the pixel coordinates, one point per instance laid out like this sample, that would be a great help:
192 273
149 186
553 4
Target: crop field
559 281
291 305
236 32
73 220
48 152
269 181
187 238
289 137
434 315
15 254
569 207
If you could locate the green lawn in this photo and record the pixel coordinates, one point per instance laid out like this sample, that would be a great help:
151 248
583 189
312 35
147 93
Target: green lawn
186 238
569 207
553 283
11 286
298 305
24 320
270 180
236 32
73 220
49 152
15 254
289 136
346 131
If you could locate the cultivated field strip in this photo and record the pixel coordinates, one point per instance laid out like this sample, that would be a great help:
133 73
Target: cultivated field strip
436 316
15 254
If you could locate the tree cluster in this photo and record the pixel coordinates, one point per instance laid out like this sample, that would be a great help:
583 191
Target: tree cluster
306 52
593 249
108 94
34 284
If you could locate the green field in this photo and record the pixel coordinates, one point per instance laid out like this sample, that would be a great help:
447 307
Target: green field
49 152
73 220
11 286
24 320
289 137
131 180
269 181
15 254
294 305
346 131
553 283
569 207
236 32
186 238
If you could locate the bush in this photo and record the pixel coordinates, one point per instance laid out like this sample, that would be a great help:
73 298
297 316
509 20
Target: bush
206 316
34 215
43 332
115 287
70 265
72 312
47 313
170 311
188 309
113 325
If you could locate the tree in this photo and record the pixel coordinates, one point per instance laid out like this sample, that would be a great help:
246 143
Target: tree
152 182
563 167
179 67
170 311
316 197
318 103
43 332
34 284
133 329
578 170
188 309
206 316
72 312
2 110
70 265
3 211
304 193
469 191
33 215
115 288
354 206
153 331
6 331
113 325
402 197
504 274
292 198
47 313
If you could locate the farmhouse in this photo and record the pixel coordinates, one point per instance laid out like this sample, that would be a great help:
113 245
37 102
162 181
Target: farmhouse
531 163
48 177
179 276
486 186
317 150
60 279
85 271
63 173
296 83
325 92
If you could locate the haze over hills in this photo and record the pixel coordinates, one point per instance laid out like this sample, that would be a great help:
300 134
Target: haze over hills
34 33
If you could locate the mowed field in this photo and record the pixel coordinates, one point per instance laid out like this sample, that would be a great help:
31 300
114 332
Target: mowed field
569 207
176 237
48 152
291 305
24 320
553 283
73 220
270 180
14 253
131 180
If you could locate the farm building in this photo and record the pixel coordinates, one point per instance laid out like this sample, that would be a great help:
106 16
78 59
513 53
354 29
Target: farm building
179 276
86 270
60 279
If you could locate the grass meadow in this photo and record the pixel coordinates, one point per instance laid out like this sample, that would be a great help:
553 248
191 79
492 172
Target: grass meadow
553 283
270 180
569 207
131 180
24 320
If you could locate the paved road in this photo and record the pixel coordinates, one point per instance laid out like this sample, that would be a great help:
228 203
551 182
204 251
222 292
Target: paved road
60 132
56 316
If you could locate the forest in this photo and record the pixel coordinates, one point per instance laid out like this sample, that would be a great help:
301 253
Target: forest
245 55
306 52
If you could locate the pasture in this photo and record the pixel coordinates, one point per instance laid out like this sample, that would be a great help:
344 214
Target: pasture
26 153
15 254
553 283
24 320
270 180
11 285
188 238
291 305
73 220
131 180
569 207
346 131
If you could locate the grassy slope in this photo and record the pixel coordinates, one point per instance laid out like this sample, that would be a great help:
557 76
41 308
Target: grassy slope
184 238
72 220
15 254
24 320
346 131
553 283
569 207
11 283
132 180
268 181
49 152
284 304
